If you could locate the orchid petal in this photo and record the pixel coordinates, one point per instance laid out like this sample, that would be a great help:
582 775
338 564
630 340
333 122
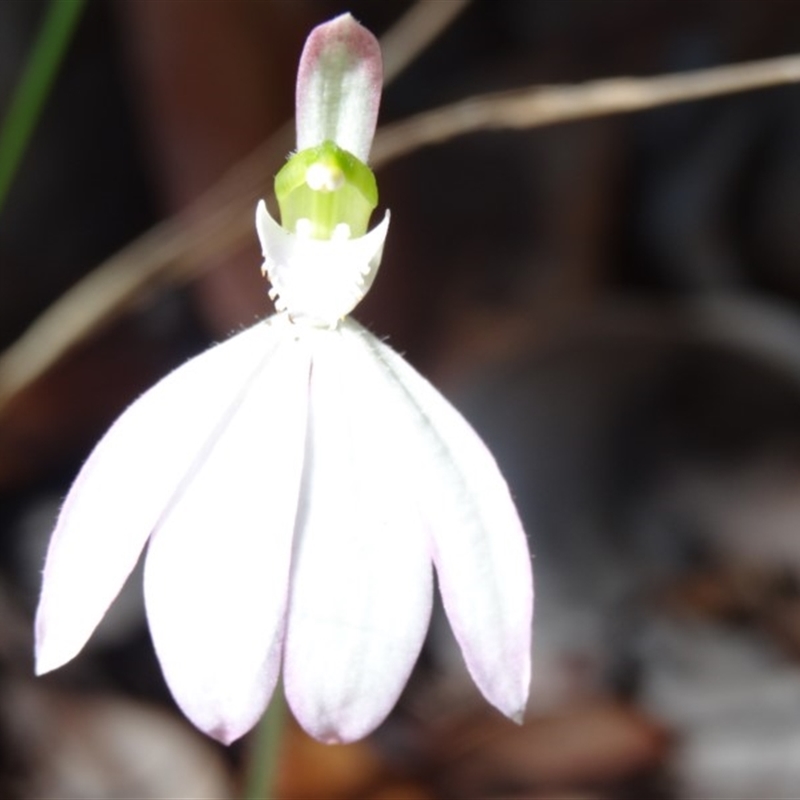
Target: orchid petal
339 82
217 568
362 578
479 546
321 280
125 485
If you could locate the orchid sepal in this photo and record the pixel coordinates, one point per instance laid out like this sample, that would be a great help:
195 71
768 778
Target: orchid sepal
339 83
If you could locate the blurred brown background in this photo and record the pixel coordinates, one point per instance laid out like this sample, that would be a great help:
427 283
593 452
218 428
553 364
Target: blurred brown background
613 304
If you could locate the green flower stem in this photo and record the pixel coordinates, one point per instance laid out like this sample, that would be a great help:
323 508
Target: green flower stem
265 750
34 86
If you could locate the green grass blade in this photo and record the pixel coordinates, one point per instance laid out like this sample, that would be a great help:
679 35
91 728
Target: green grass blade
34 86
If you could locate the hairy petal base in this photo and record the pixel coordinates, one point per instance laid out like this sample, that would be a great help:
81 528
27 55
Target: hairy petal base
318 280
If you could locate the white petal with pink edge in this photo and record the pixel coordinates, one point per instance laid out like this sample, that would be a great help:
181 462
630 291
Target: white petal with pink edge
479 546
362 578
217 569
127 482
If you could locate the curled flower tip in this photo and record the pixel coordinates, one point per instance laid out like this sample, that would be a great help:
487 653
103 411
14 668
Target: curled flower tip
339 87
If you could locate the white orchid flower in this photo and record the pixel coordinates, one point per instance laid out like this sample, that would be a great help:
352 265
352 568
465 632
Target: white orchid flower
297 484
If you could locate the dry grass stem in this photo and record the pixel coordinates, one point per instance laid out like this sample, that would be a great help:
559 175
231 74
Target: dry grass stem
414 31
547 105
177 250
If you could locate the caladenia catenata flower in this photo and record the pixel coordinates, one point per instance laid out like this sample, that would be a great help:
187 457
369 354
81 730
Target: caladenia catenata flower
297 484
